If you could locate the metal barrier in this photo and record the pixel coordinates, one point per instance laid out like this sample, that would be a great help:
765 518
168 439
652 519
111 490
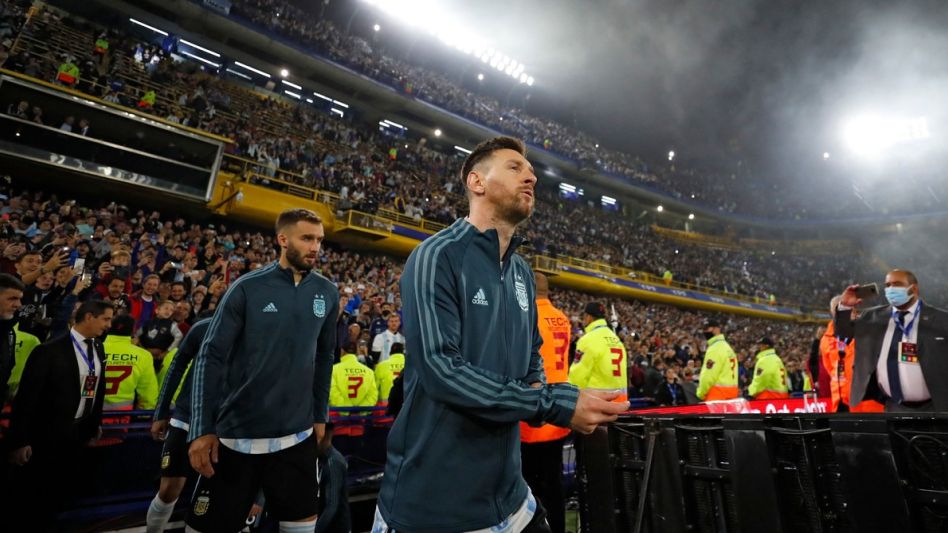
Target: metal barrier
782 473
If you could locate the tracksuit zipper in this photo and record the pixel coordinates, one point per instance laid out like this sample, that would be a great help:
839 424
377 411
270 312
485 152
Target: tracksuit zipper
503 322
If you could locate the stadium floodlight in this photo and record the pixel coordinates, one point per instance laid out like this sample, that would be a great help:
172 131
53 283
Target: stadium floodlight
376 27
523 78
293 85
608 200
337 111
309 100
201 59
691 216
660 208
152 28
341 104
671 155
446 26
322 96
826 155
291 93
394 124
241 74
530 81
480 77
597 145
251 69
437 132
201 48
462 149
871 135
284 72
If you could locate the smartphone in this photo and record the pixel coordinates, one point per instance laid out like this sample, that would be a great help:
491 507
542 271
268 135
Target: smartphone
80 265
868 290
175 265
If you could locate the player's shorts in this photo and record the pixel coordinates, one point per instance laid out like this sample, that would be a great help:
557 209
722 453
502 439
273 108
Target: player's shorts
174 454
287 478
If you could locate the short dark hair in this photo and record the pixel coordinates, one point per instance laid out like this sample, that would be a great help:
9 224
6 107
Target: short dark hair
397 347
8 281
94 307
485 149
123 326
908 274
292 216
28 253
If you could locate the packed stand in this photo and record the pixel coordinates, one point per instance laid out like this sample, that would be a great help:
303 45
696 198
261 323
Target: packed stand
372 171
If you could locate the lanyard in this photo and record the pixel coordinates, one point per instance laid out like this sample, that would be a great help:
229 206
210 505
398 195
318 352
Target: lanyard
87 357
906 330
674 393
841 343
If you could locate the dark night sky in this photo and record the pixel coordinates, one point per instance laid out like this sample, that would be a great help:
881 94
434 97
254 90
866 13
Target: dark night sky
774 78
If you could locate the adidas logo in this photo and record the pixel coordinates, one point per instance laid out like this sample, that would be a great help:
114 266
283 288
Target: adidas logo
270 308
480 298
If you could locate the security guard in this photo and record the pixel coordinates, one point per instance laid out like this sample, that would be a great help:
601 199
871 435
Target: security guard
719 373
129 372
770 376
353 385
600 361
389 369
68 73
25 342
541 447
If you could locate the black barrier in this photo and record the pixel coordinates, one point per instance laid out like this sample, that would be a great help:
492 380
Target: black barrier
773 474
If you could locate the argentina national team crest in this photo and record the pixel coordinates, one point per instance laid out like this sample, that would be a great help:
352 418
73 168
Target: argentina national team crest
521 294
319 306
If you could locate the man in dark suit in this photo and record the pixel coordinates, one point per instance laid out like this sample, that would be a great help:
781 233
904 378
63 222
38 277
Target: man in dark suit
901 348
57 412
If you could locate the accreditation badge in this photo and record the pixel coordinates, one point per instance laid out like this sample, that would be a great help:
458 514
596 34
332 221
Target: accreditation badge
908 352
89 385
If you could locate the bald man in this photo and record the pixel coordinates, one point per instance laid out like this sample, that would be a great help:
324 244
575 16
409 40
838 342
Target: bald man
541 447
901 348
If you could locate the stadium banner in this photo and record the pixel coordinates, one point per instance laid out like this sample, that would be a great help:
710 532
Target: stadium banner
741 406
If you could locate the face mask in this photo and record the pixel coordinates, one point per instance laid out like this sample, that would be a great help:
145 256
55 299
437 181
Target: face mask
897 296
708 334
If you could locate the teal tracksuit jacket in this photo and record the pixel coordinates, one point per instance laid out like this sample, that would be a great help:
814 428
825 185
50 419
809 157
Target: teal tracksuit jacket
265 364
470 323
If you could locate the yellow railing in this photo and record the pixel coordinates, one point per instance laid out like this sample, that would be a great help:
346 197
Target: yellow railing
428 225
694 237
256 173
365 221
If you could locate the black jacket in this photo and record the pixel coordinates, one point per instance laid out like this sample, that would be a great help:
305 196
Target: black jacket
664 395
869 331
44 409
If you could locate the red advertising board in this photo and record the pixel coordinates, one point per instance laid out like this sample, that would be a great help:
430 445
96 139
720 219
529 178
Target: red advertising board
741 406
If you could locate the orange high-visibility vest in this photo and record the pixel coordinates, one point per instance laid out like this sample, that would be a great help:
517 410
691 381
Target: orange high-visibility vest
555 330
840 385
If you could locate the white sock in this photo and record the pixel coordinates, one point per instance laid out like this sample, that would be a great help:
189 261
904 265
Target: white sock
158 515
298 527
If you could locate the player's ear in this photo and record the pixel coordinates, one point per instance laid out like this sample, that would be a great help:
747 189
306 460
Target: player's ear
475 181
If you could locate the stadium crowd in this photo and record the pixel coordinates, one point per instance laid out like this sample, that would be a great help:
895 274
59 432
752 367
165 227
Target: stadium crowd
138 259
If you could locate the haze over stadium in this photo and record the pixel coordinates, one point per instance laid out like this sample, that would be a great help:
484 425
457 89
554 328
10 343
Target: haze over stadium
326 230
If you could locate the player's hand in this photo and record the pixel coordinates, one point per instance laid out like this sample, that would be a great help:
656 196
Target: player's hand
594 408
159 429
849 298
320 431
203 454
21 456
